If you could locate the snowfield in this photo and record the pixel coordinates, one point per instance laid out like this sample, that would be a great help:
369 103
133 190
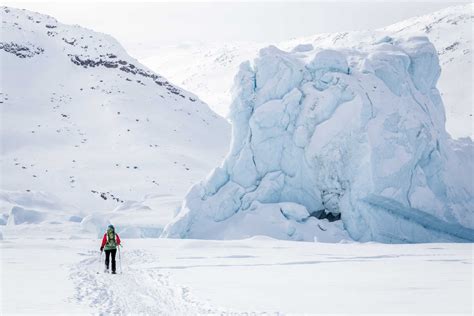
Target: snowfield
258 275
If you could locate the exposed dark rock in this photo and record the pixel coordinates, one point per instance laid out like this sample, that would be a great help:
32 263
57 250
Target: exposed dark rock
127 68
70 42
21 51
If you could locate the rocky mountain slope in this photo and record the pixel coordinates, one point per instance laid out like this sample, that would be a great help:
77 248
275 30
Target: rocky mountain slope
83 120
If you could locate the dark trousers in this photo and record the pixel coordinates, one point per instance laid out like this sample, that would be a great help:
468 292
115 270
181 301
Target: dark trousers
112 252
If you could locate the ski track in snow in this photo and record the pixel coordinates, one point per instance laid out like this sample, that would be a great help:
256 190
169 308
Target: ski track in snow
138 290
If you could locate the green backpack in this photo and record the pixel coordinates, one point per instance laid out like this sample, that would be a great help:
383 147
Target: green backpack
111 242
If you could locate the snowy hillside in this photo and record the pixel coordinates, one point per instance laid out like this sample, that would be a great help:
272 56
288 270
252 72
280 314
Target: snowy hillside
208 70
321 135
84 121
451 32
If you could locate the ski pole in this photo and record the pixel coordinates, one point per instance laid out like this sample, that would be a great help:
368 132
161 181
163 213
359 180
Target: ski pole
120 260
100 260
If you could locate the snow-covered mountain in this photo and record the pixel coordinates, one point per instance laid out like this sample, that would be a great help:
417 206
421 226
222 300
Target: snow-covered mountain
205 68
83 120
356 134
209 69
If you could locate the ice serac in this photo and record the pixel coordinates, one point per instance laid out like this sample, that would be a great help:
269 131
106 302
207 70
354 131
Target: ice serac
358 134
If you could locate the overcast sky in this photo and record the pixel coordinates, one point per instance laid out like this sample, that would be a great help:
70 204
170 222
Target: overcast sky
140 26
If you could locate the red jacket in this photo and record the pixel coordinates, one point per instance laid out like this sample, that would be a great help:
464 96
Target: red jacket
104 240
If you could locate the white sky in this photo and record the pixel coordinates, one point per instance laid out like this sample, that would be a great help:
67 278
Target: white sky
142 26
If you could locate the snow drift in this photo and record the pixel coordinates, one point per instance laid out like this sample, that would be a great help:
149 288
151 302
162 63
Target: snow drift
355 133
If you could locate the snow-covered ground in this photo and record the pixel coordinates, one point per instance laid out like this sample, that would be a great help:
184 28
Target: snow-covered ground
208 69
189 277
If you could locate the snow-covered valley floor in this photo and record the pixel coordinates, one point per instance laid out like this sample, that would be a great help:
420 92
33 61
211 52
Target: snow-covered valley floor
257 275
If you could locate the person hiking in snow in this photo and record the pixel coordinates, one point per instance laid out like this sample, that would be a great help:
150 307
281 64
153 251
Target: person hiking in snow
110 242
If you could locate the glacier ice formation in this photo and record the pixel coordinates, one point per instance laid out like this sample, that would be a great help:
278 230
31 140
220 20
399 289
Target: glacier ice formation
360 133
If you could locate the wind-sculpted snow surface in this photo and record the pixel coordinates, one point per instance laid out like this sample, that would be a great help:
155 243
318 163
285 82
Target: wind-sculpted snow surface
323 133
